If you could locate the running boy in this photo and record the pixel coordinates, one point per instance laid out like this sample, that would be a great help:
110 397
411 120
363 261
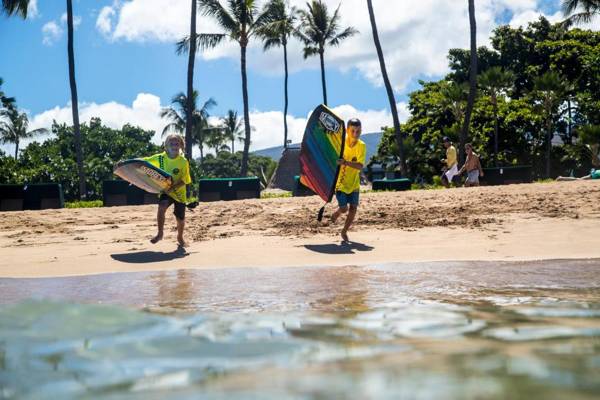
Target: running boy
173 162
348 184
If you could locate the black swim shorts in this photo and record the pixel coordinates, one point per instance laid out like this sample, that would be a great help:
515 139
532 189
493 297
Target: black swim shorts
178 211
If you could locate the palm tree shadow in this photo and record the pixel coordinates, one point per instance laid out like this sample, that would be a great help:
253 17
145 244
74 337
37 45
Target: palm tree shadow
342 248
147 257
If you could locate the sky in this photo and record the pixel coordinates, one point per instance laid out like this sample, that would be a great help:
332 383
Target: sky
127 69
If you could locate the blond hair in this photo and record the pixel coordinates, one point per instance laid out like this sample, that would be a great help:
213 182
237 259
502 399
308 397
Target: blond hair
176 137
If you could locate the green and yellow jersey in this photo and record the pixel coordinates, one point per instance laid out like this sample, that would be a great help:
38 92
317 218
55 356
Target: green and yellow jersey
178 167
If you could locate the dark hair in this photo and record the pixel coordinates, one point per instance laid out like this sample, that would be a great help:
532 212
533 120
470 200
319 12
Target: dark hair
469 145
446 139
355 122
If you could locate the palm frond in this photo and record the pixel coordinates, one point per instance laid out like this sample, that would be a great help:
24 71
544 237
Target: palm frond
204 41
214 9
172 127
15 7
347 33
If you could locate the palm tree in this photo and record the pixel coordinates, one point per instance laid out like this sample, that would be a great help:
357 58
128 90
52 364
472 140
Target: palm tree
277 32
4 100
178 116
317 30
216 139
388 88
15 7
495 82
240 21
13 127
74 101
19 7
455 98
232 127
550 90
191 50
580 11
464 134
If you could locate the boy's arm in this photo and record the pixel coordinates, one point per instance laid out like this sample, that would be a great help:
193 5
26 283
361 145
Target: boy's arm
355 165
175 186
480 168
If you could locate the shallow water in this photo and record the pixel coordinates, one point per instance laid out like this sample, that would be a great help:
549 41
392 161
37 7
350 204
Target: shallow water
440 330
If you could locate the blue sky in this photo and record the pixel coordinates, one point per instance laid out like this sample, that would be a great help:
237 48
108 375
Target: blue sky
130 55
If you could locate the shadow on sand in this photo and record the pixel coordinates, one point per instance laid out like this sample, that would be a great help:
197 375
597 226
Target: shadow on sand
342 248
146 257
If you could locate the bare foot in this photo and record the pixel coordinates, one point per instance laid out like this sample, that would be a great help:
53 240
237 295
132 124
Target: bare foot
345 236
181 242
156 238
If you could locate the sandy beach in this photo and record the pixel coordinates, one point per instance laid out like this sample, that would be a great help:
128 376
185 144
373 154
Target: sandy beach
517 222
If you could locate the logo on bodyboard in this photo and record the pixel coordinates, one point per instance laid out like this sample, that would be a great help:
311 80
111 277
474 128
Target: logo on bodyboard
153 174
329 122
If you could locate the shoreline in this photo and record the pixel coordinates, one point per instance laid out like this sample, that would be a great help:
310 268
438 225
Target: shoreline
531 223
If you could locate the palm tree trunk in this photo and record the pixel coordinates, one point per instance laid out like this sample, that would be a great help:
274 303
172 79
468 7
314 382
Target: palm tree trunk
201 152
244 170
570 127
389 90
233 146
322 57
464 134
496 123
16 149
190 85
74 101
285 107
548 146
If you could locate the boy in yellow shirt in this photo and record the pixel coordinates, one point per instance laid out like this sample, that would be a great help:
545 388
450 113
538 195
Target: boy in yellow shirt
348 183
173 162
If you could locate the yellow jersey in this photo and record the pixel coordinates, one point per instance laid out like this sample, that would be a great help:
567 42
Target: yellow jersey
178 167
349 178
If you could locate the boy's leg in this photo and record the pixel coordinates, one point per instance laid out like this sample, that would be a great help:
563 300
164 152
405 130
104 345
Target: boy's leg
160 220
180 228
353 203
340 211
179 212
342 206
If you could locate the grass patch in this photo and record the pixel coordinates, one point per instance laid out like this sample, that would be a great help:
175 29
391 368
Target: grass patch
84 204
278 195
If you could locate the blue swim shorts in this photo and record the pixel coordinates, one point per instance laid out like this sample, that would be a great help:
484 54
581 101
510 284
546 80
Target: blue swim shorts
344 198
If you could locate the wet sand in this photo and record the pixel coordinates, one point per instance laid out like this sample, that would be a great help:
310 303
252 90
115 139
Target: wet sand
517 222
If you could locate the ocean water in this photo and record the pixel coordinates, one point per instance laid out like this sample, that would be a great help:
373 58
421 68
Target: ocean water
528 330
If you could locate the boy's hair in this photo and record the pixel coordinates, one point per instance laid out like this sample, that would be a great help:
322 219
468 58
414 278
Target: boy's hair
355 122
176 137
468 145
446 139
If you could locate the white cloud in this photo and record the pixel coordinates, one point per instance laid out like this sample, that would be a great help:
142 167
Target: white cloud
145 109
104 21
416 36
51 33
268 126
527 16
76 20
32 9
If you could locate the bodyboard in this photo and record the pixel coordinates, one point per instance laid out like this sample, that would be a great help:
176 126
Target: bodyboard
145 175
322 146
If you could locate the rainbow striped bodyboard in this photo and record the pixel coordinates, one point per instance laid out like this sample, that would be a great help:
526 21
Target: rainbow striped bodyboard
322 146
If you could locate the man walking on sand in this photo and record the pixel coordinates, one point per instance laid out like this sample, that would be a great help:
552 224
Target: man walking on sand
451 169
